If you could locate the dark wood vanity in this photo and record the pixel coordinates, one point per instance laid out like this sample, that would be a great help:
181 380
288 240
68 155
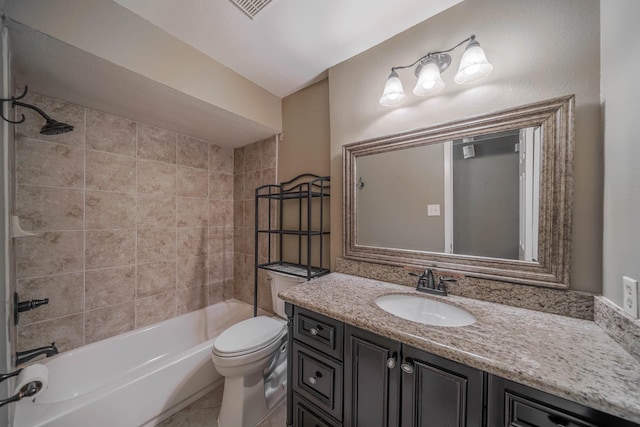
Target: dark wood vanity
342 375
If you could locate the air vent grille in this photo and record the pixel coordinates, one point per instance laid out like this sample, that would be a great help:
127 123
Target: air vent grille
251 7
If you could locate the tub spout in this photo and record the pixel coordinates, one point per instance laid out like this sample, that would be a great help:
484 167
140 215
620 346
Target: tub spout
25 356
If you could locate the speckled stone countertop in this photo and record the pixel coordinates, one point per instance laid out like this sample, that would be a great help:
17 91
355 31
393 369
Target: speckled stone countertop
567 357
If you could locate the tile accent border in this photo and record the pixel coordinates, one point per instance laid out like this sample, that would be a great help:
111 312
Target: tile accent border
569 303
620 326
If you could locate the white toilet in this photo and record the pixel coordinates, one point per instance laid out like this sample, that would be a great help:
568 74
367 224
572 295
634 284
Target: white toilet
252 356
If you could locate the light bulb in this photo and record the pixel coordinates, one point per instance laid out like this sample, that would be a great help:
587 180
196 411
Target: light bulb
473 65
429 80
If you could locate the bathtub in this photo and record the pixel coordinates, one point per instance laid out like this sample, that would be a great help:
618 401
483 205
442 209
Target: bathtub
134 379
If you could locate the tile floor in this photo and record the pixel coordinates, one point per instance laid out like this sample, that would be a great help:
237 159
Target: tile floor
204 413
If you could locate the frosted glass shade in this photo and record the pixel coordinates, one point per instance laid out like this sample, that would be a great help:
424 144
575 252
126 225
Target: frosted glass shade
429 79
393 93
473 65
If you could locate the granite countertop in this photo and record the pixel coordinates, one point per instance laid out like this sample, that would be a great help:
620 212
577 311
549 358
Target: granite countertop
567 357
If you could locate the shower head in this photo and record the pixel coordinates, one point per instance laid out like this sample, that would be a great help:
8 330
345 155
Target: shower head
52 127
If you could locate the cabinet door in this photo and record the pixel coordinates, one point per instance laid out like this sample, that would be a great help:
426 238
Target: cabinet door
439 392
372 380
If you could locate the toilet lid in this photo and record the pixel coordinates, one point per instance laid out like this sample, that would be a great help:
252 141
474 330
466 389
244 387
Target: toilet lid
249 335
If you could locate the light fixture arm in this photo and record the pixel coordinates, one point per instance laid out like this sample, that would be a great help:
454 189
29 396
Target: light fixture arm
434 53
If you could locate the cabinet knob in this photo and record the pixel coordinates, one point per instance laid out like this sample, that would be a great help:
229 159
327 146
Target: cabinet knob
391 362
313 331
407 367
314 380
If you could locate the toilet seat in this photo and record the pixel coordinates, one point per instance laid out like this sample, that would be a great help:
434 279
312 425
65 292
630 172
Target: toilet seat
249 336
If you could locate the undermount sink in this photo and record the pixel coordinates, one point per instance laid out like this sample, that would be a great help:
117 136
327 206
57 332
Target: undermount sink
424 310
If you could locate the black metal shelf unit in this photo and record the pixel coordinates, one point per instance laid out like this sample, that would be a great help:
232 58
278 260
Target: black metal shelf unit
310 195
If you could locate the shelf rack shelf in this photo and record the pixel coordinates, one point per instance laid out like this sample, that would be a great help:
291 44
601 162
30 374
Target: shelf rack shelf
309 195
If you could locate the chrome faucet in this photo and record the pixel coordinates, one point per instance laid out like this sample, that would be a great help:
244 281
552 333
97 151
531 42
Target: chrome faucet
25 356
427 283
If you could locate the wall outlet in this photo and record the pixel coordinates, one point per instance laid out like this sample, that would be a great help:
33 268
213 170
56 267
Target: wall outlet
630 296
433 210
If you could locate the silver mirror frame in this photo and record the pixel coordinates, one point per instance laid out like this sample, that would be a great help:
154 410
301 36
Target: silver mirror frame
556 119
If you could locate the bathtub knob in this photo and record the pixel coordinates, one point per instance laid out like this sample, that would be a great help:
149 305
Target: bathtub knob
313 331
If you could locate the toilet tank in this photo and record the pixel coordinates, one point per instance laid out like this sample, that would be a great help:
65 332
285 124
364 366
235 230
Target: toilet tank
279 282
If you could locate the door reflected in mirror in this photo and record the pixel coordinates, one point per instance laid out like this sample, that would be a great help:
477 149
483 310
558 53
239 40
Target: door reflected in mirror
470 196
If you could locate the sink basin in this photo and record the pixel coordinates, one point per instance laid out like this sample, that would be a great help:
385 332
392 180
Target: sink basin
424 310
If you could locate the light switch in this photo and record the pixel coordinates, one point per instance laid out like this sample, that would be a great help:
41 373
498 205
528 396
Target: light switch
433 210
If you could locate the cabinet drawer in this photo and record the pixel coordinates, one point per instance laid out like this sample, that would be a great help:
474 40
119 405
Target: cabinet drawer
523 413
318 379
320 332
306 414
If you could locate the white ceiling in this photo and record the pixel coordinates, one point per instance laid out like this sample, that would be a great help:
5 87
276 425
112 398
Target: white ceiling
290 43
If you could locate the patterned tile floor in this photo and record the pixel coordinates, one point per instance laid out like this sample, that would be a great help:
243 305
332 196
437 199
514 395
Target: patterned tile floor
204 413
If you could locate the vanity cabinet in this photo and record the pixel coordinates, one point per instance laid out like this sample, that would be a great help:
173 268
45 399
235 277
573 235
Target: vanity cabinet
341 375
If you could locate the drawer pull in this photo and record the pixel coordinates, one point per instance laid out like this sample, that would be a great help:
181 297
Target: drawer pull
314 380
558 421
313 331
391 362
407 368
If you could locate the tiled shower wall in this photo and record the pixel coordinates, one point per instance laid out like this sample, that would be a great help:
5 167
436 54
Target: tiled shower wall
255 165
135 224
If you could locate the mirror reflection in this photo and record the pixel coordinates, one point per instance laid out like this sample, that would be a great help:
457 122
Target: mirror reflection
477 196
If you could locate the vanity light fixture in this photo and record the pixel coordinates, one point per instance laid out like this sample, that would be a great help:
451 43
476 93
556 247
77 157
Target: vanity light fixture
473 67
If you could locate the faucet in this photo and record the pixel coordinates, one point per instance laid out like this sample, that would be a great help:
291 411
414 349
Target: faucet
427 283
25 356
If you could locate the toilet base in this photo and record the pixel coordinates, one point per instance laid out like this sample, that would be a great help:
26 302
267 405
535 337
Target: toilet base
244 403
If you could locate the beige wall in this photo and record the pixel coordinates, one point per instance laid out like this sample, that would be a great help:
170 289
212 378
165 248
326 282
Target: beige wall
539 50
620 71
134 223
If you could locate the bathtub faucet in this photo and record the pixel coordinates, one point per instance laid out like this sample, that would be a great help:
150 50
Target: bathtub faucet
25 356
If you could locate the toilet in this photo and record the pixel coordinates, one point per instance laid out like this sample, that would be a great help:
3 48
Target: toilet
252 356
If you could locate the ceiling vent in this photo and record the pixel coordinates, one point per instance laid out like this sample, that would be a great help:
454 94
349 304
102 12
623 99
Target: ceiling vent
251 7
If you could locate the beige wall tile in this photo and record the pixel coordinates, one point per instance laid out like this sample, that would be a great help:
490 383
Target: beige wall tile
59 110
220 186
238 161
238 213
49 253
67 332
155 309
110 248
109 286
269 153
250 213
156 144
64 291
156 245
192 272
192 152
46 163
268 176
221 159
238 187
156 178
110 172
190 299
216 292
192 182
109 321
221 267
221 213
156 278
249 240
228 289
106 210
238 240
156 211
110 133
192 212
221 240
252 180
46 208
253 157
192 242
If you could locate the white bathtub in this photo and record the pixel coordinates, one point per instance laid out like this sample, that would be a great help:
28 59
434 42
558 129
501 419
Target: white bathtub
138 378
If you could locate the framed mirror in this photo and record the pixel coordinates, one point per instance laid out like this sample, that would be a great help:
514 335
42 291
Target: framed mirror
488 196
